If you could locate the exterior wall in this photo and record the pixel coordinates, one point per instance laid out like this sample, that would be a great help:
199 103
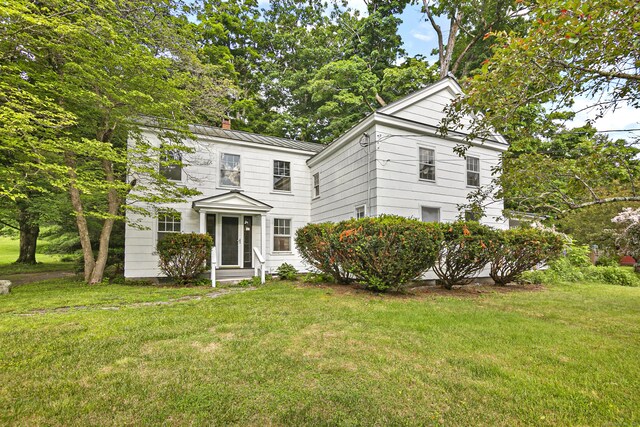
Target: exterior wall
343 182
202 172
400 190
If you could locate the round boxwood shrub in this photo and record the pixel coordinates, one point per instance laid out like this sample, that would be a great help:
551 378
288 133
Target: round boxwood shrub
517 250
183 256
386 252
318 245
463 252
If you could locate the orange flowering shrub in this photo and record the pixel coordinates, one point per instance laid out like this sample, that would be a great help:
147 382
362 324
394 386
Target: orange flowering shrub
463 253
520 249
318 245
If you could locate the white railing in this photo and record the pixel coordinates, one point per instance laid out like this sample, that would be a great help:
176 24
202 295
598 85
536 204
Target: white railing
260 260
214 265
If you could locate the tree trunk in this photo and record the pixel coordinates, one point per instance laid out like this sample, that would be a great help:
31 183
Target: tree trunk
29 231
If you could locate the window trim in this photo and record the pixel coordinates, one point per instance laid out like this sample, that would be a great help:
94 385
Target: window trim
364 210
469 171
273 188
220 184
431 207
274 235
435 171
164 213
315 187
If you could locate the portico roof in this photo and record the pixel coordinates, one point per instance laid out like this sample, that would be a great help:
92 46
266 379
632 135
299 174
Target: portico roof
233 201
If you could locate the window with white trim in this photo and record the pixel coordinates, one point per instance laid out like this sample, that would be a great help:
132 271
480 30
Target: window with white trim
473 171
430 214
170 164
281 235
316 184
361 212
281 175
471 216
229 170
168 223
427 164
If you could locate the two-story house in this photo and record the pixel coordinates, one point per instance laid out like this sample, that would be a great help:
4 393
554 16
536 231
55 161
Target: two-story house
257 190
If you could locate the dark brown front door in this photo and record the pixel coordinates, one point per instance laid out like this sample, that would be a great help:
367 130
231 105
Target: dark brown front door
211 231
230 241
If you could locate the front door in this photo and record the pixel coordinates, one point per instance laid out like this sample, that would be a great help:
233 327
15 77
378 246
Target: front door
247 247
230 240
211 231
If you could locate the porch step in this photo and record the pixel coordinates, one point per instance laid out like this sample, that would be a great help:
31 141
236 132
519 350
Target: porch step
233 274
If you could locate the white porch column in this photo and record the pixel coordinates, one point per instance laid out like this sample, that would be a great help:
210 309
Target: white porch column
263 235
203 222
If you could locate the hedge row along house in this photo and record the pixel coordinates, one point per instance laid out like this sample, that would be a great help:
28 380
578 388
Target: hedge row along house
257 190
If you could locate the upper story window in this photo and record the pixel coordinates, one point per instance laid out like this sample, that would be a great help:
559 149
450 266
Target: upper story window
316 184
170 165
230 170
430 214
427 164
168 222
281 175
471 216
473 171
281 235
360 212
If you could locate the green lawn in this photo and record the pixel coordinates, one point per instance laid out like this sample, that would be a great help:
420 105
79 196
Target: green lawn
9 249
297 355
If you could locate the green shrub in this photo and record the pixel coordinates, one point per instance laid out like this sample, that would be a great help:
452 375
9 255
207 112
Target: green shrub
388 251
463 252
183 256
520 249
318 278
253 282
287 272
612 275
318 245
608 261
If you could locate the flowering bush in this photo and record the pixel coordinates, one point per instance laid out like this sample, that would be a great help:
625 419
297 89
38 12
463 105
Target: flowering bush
463 252
183 256
518 250
318 245
388 251
629 237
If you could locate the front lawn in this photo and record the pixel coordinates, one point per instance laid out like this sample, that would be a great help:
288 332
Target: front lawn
9 250
293 355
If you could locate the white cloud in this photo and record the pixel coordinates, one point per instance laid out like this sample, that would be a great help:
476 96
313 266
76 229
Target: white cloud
623 117
422 36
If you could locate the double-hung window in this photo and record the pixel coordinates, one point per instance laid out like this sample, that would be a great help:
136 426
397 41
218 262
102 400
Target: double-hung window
281 175
281 235
473 171
361 212
316 184
427 164
168 222
170 165
229 170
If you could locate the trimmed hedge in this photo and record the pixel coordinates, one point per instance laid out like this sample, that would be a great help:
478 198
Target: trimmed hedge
383 253
183 256
518 250
463 253
318 245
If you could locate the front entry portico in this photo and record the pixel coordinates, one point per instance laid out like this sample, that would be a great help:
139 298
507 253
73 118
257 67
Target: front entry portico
237 224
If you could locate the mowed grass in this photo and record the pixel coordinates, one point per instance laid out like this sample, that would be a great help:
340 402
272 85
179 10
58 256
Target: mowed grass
9 250
302 355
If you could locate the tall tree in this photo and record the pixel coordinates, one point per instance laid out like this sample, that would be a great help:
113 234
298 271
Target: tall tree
106 65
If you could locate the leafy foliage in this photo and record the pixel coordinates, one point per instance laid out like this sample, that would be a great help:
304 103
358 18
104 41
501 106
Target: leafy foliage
517 250
386 252
183 257
318 245
463 252
287 271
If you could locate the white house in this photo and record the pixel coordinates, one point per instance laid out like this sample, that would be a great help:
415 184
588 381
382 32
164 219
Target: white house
257 190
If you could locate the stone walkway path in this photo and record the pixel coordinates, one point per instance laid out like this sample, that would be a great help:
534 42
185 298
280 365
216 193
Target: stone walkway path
214 294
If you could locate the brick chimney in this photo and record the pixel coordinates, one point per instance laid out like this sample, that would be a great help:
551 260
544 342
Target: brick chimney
226 124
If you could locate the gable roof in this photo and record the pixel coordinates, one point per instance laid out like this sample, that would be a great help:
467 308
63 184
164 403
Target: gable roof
234 200
448 83
273 141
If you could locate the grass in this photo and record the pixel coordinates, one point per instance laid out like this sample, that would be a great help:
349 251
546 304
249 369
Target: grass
292 355
9 249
